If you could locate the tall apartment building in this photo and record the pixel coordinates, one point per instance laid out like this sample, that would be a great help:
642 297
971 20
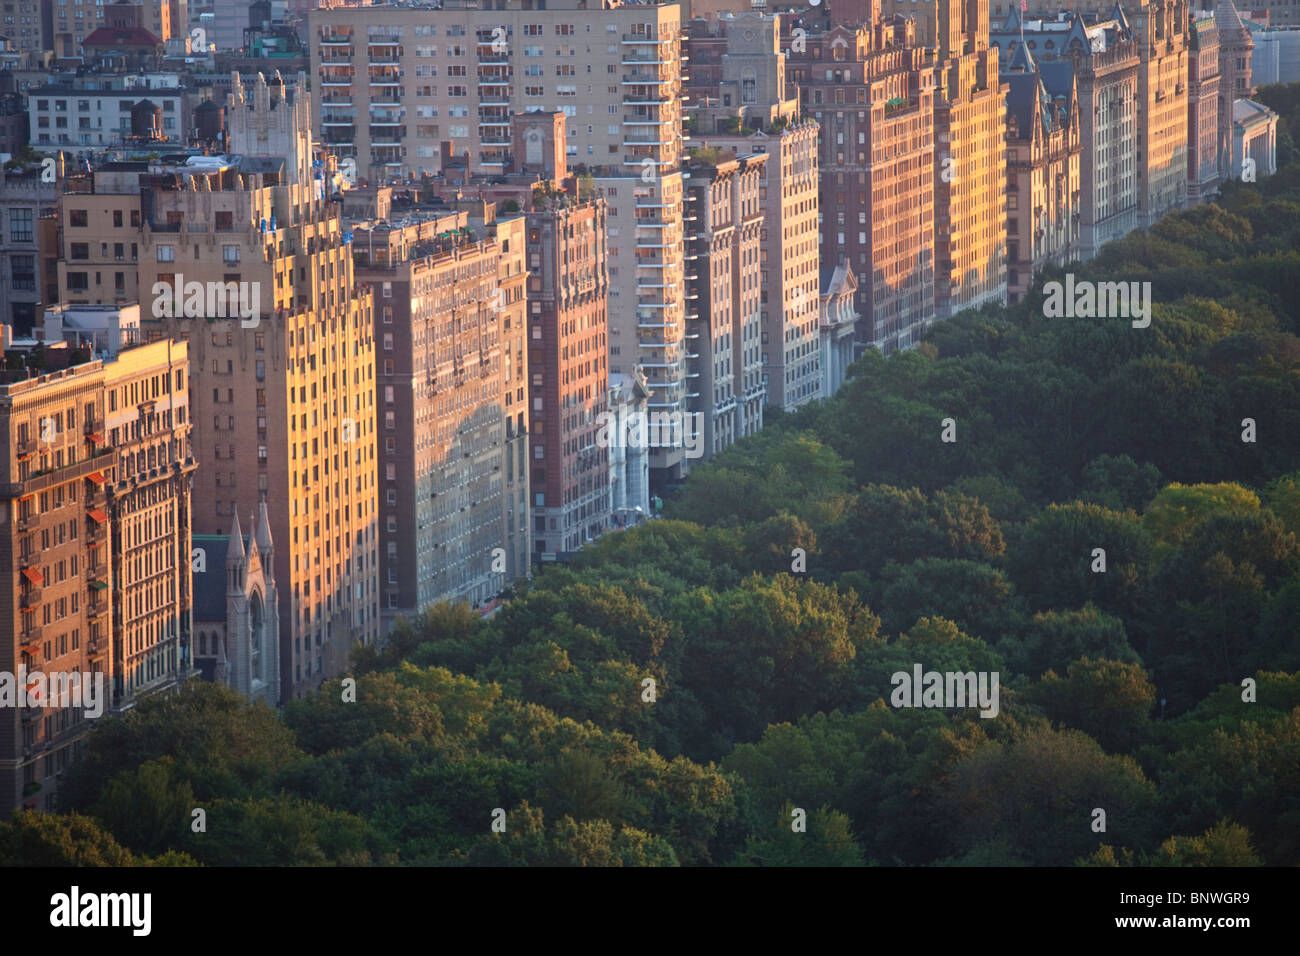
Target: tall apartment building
148 426
1160 29
283 357
871 89
1103 55
741 102
395 83
970 175
723 329
1044 152
96 489
1205 148
568 362
448 416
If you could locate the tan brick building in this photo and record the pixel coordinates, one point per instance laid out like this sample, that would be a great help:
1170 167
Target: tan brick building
1205 146
393 84
96 489
970 173
250 263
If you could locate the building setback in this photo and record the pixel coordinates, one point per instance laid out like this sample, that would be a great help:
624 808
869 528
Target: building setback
285 397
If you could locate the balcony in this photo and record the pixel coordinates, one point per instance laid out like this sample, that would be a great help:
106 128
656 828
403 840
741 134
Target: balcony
30 636
27 523
31 597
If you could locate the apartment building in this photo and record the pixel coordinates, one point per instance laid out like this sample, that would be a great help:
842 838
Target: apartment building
250 263
25 196
724 282
568 364
741 102
147 424
96 484
871 89
1236 82
1044 154
401 87
970 181
93 114
1205 149
448 429
1103 56
1159 29
99 242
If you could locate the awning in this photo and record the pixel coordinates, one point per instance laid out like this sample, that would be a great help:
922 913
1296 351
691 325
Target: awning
97 477
97 514
31 574
98 585
97 437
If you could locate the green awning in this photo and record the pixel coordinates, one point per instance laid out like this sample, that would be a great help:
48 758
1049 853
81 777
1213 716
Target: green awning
99 585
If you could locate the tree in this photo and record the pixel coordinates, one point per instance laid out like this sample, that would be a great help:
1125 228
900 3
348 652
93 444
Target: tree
1178 508
1053 563
1052 639
1224 844
1110 701
1038 792
147 808
828 841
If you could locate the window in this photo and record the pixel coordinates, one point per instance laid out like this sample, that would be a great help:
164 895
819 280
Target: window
78 218
166 253
20 225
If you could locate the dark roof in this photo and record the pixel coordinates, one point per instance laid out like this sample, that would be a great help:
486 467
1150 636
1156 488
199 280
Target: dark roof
210 586
1022 100
121 36
260 164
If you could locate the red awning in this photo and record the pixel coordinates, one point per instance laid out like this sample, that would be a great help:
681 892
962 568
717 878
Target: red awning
97 477
97 514
31 574
97 437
